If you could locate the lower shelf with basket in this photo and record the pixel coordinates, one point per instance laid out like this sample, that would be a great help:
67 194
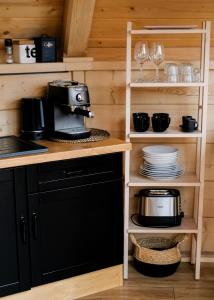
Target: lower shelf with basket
157 256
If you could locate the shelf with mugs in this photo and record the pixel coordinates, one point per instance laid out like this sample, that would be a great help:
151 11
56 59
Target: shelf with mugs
169 133
188 225
185 180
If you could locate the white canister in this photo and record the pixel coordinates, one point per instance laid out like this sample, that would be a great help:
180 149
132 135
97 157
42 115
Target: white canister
24 51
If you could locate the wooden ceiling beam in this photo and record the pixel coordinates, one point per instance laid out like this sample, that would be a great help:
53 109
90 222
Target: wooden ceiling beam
78 15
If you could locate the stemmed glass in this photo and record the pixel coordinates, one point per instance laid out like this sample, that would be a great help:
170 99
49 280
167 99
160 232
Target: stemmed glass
157 57
141 55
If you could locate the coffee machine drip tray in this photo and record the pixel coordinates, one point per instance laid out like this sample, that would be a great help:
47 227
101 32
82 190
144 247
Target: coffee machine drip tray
72 133
13 146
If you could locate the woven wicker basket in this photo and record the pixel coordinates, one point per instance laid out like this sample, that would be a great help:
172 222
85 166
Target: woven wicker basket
157 256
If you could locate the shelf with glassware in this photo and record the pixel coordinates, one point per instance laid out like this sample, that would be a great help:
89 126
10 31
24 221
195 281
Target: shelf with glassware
178 76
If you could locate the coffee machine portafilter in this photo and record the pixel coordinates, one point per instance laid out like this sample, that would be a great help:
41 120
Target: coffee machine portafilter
67 107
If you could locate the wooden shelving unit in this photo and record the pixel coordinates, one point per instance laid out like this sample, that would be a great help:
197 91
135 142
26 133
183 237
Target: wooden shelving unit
190 225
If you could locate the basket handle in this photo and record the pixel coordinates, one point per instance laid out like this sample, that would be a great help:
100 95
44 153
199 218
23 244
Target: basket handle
134 241
180 238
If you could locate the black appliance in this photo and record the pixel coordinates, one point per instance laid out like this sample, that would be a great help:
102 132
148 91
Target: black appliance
32 118
45 49
14 146
67 107
159 207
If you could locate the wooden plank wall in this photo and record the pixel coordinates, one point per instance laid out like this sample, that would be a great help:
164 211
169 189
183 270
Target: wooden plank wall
107 92
27 19
23 19
108 33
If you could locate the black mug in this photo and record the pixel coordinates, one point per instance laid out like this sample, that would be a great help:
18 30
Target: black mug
189 124
160 122
141 121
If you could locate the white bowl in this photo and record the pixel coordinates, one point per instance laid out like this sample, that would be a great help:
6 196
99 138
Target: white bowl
160 150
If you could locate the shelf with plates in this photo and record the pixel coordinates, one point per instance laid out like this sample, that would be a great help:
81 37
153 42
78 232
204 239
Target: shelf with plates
188 179
169 133
188 225
173 173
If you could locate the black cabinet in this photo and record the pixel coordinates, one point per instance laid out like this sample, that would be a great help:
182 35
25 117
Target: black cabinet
75 214
14 254
59 220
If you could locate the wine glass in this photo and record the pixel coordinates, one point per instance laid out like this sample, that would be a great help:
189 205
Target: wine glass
157 56
141 55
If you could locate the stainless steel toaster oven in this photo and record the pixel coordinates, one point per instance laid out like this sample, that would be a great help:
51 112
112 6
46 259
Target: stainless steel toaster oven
159 207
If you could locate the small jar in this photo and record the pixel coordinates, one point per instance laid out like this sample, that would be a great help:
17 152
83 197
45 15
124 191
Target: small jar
8 43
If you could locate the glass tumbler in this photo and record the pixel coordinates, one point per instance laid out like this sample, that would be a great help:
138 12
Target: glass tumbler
171 72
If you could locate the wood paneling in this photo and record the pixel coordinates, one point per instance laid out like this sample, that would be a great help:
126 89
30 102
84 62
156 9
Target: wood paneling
159 9
108 34
23 19
107 95
31 9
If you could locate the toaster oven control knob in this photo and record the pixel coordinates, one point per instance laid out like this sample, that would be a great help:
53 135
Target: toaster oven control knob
79 97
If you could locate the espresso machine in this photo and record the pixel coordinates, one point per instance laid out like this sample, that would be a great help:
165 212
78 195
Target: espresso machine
67 107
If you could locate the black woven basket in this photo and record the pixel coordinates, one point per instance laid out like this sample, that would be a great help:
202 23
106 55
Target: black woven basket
157 256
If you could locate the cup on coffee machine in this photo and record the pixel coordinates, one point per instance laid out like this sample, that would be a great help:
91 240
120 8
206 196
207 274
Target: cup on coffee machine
141 121
189 124
160 122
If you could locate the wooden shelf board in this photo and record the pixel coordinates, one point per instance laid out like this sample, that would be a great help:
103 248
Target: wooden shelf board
169 133
32 68
184 180
168 31
165 84
187 226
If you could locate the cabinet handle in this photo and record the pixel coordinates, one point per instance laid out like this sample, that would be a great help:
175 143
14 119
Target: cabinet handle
73 173
23 229
35 225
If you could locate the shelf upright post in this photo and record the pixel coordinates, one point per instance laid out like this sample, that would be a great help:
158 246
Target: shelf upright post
205 73
198 145
127 153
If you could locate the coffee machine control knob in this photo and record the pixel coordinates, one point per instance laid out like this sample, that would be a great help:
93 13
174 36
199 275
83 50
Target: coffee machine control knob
79 97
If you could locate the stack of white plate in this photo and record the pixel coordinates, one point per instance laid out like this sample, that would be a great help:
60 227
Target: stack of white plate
160 163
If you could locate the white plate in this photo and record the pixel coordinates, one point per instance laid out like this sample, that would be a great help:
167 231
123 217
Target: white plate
161 162
166 166
161 178
161 156
161 174
160 150
170 26
160 168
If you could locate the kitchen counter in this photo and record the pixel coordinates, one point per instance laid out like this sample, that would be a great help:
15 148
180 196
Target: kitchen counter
60 151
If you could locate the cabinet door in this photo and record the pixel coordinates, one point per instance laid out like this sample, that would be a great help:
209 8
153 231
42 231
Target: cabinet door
14 272
75 230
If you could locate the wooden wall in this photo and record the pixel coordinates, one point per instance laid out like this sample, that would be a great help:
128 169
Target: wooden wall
108 32
27 19
107 92
24 19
